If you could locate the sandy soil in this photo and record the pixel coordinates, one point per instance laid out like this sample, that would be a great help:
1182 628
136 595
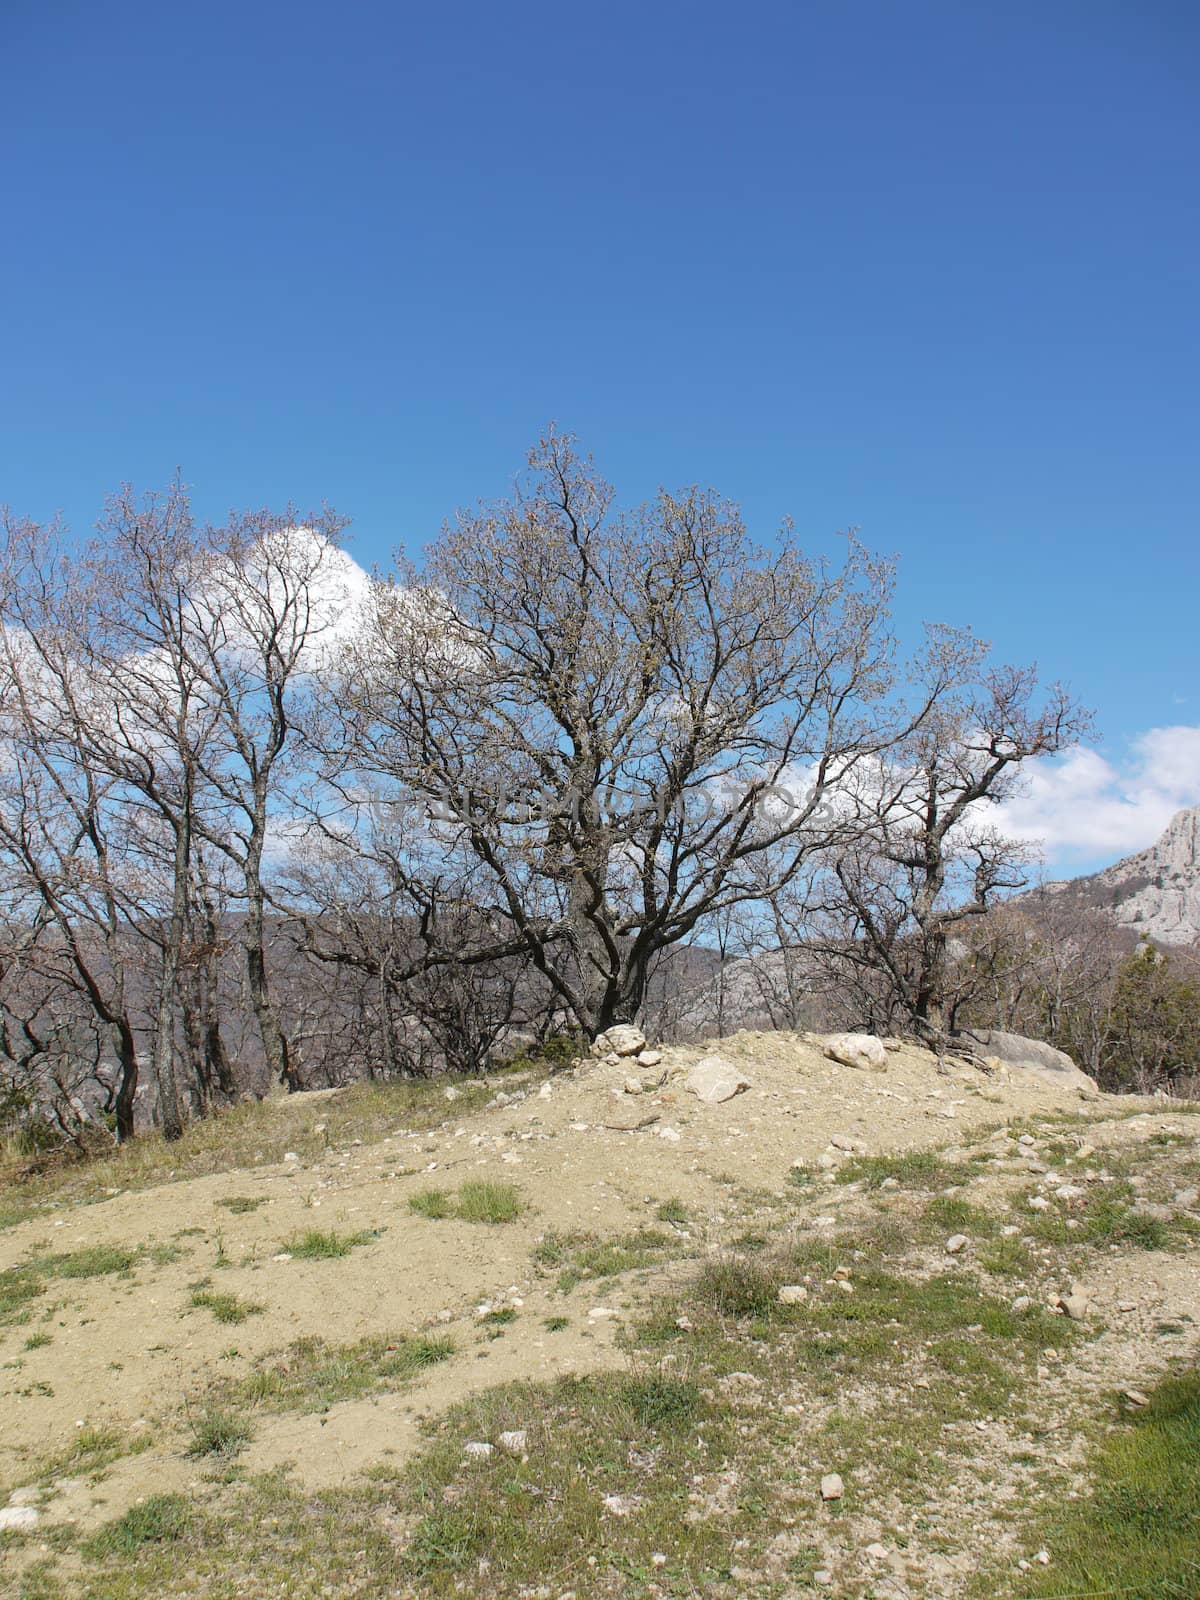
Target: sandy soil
129 1352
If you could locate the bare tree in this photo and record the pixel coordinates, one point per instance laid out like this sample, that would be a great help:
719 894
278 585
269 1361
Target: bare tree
62 874
610 720
927 858
269 600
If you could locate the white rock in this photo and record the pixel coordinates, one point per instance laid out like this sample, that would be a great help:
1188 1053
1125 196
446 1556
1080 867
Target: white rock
842 1141
670 1134
1075 1305
477 1450
621 1040
1022 1303
1186 1197
649 1058
792 1294
620 1505
715 1079
633 1086
832 1487
1070 1191
955 1243
514 1441
857 1050
18 1519
545 1092
290 1155
877 1552
1039 1203
30 1496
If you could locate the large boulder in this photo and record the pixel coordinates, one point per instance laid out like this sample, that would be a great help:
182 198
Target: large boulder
620 1040
857 1050
1032 1055
715 1079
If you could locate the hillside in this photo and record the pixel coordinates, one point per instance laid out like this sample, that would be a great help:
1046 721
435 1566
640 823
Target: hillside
549 1336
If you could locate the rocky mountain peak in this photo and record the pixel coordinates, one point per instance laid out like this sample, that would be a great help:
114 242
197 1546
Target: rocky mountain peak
1157 891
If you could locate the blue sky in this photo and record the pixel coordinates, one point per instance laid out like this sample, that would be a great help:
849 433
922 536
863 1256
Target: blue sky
929 269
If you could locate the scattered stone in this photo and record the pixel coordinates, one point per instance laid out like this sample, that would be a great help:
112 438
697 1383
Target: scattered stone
1026 1139
283 1255
715 1079
620 1505
1044 1557
877 1552
1127 1305
1070 1191
862 1050
18 1519
1022 1303
671 1134
792 1294
1075 1305
832 1487
290 1155
823 1576
621 1040
649 1058
513 1441
477 1450
545 1091
955 1243
825 1161
633 1086
843 1142
1137 1398
599 1313
840 1274
1009 1230
1186 1197
1083 1152
1039 1203
30 1496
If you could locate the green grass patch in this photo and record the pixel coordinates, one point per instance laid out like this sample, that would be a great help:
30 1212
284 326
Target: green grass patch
219 1432
641 1435
241 1204
582 1256
912 1169
477 1201
312 1375
436 1204
1138 1534
161 1519
326 1244
482 1201
224 1307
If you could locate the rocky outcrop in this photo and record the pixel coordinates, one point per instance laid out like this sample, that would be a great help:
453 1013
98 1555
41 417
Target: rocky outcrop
1031 1055
1157 891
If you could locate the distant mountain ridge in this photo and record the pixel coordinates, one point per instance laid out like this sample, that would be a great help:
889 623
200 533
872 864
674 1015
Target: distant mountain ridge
1156 892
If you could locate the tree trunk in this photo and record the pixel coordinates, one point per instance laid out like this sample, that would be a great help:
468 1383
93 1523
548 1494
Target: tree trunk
125 1045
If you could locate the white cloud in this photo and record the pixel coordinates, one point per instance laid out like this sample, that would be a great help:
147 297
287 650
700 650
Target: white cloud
1085 809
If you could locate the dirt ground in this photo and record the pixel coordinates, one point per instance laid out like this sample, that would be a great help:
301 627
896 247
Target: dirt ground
129 1352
